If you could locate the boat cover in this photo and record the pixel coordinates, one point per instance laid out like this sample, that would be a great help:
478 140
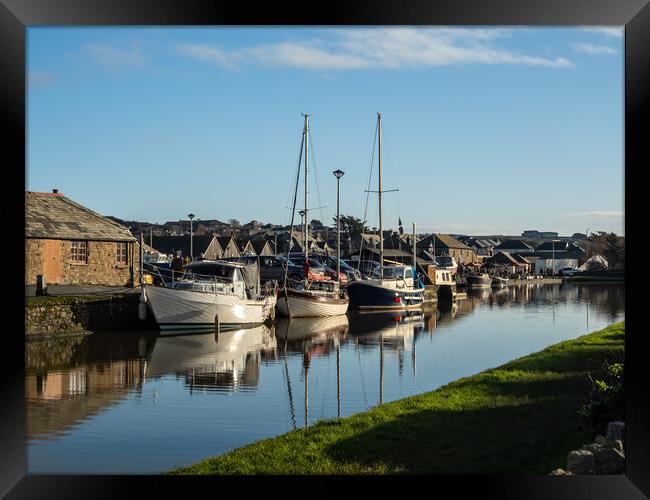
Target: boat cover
251 274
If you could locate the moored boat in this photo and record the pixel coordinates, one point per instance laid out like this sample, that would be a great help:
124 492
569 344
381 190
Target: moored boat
299 298
447 263
498 282
478 280
390 287
210 293
295 303
394 290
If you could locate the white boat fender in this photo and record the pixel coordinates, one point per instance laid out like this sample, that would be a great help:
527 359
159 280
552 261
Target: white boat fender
142 307
142 311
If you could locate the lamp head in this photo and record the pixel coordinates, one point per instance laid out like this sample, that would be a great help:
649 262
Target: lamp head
338 173
191 216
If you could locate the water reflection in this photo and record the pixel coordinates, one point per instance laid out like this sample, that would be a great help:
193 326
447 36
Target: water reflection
228 361
72 381
311 337
395 332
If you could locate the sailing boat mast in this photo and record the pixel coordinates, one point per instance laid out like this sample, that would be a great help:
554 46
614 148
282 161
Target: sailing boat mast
305 238
381 231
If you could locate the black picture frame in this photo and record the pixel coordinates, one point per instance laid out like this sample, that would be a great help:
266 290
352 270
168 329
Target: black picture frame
17 15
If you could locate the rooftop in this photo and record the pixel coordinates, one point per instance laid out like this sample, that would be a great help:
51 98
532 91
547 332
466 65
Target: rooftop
53 216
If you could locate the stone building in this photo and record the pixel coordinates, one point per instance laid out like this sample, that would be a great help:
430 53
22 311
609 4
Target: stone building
444 244
71 245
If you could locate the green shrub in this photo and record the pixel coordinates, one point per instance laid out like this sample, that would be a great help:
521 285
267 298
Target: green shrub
606 400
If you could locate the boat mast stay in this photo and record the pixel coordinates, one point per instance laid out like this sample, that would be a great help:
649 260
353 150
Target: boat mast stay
379 191
381 232
306 234
293 212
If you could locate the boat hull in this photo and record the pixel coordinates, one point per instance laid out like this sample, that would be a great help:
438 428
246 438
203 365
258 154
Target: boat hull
176 310
304 304
366 294
483 281
499 283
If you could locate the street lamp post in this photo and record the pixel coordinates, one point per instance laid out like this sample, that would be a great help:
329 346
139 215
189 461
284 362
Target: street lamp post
303 226
553 259
191 216
338 174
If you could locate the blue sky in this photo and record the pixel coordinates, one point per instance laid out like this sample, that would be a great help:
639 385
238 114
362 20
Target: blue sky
486 130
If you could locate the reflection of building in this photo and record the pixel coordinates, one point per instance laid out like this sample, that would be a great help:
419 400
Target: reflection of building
86 379
79 393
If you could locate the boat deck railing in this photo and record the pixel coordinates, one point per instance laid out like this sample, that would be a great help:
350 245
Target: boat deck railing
185 280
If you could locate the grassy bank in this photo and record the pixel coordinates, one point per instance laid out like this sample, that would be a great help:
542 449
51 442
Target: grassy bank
518 418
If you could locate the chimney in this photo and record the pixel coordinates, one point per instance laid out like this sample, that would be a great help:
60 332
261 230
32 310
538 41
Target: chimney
55 191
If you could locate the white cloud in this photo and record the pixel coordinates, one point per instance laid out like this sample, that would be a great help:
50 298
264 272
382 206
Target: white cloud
384 48
598 214
593 50
612 32
114 57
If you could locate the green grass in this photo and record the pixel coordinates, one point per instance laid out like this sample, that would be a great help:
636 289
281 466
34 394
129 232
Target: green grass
519 418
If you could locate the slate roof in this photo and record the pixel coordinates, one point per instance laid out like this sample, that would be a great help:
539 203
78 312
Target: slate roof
559 245
521 258
391 252
53 216
171 244
259 245
477 242
242 243
224 241
443 241
513 244
504 258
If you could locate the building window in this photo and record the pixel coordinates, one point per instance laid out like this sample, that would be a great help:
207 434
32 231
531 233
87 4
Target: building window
78 252
122 255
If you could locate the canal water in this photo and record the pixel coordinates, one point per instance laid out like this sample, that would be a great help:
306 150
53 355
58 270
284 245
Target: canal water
115 403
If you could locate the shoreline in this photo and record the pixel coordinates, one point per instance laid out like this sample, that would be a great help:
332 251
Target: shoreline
520 417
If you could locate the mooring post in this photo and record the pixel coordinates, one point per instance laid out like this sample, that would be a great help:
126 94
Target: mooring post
41 285
142 306
217 325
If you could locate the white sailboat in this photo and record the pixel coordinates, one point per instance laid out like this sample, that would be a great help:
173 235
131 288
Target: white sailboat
391 287
304 298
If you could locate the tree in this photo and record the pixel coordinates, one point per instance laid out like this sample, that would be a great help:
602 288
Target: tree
233 222
614 250
352 225
610 246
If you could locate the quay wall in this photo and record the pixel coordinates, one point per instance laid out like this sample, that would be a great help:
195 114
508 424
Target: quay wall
69 314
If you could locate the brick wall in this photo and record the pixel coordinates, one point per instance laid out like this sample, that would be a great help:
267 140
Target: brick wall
52 259
463 256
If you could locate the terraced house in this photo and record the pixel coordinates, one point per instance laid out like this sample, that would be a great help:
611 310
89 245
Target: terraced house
71 245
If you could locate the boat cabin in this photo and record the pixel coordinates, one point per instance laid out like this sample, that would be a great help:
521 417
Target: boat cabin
394 272
220 277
